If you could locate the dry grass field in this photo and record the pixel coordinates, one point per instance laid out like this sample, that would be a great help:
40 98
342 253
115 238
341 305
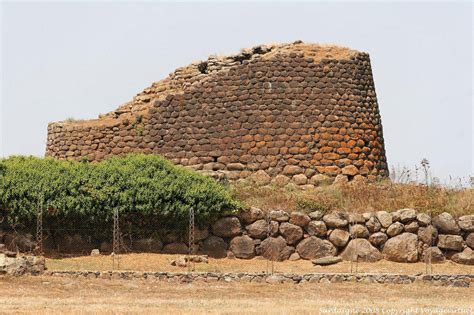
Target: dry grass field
48 295
161 262
358 197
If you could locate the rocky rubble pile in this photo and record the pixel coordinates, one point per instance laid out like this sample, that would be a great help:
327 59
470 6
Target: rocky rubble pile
17 265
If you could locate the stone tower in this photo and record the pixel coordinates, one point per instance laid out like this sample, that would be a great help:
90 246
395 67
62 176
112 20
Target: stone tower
292 109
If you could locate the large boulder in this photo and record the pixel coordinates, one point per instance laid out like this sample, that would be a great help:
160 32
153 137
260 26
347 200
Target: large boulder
466 257
435 254
214 246
407 215
260 178
279 215
316 228
423 219
176 248
451 242
378 239
412 227
395 228
336 220
148 245
280 180
384 218
292 233
470 240
259 229
316 215
373 224
401 248
313 247
339 237
275 248
251 215
446 224
428 234
466 223
321 180
361 250
227 227
356 218
359 231
19 241
299 218
242 247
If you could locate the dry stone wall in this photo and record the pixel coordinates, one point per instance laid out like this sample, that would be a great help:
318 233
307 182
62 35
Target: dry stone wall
295 109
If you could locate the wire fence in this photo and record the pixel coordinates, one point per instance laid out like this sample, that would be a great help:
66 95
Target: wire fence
161 247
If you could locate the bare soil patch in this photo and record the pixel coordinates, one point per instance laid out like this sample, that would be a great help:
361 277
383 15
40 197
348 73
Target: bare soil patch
162 262
40 295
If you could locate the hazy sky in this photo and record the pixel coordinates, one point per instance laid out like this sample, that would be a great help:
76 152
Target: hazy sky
62 60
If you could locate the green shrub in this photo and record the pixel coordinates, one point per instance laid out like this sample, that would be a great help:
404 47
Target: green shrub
79 194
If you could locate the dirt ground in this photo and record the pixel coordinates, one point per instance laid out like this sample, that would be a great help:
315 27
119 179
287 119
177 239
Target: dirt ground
46 295
162 262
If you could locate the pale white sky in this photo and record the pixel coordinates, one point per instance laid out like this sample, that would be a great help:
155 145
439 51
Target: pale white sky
79 59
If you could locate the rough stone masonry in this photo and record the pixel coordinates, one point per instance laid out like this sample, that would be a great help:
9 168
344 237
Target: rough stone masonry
292 109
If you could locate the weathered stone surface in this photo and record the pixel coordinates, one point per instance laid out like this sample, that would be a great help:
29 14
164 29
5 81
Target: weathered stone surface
336 220
299 218
279 215
259 229
446 224
384 218
242 247
378 239
21 265
300 179
260 178
326 261
316 228
251 215
466 223
214 246
292 170
361 250
291 232
423 219
294 257
434 254
316 215
339 237
470 240
227 227
359 231
149 245
395 229
355 218
466 257
407 215
95 252
412 227
321 180
350 170
313 247
175 248
200 233
428 234
401 248
373 225
451 242
274 248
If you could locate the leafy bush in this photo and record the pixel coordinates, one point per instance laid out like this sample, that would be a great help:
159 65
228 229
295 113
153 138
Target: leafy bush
79 194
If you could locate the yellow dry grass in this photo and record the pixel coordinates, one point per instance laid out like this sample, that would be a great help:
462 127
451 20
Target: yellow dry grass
360 197
162 262
48 295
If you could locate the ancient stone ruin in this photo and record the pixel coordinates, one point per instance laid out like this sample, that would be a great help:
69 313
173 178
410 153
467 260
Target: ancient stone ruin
293 109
